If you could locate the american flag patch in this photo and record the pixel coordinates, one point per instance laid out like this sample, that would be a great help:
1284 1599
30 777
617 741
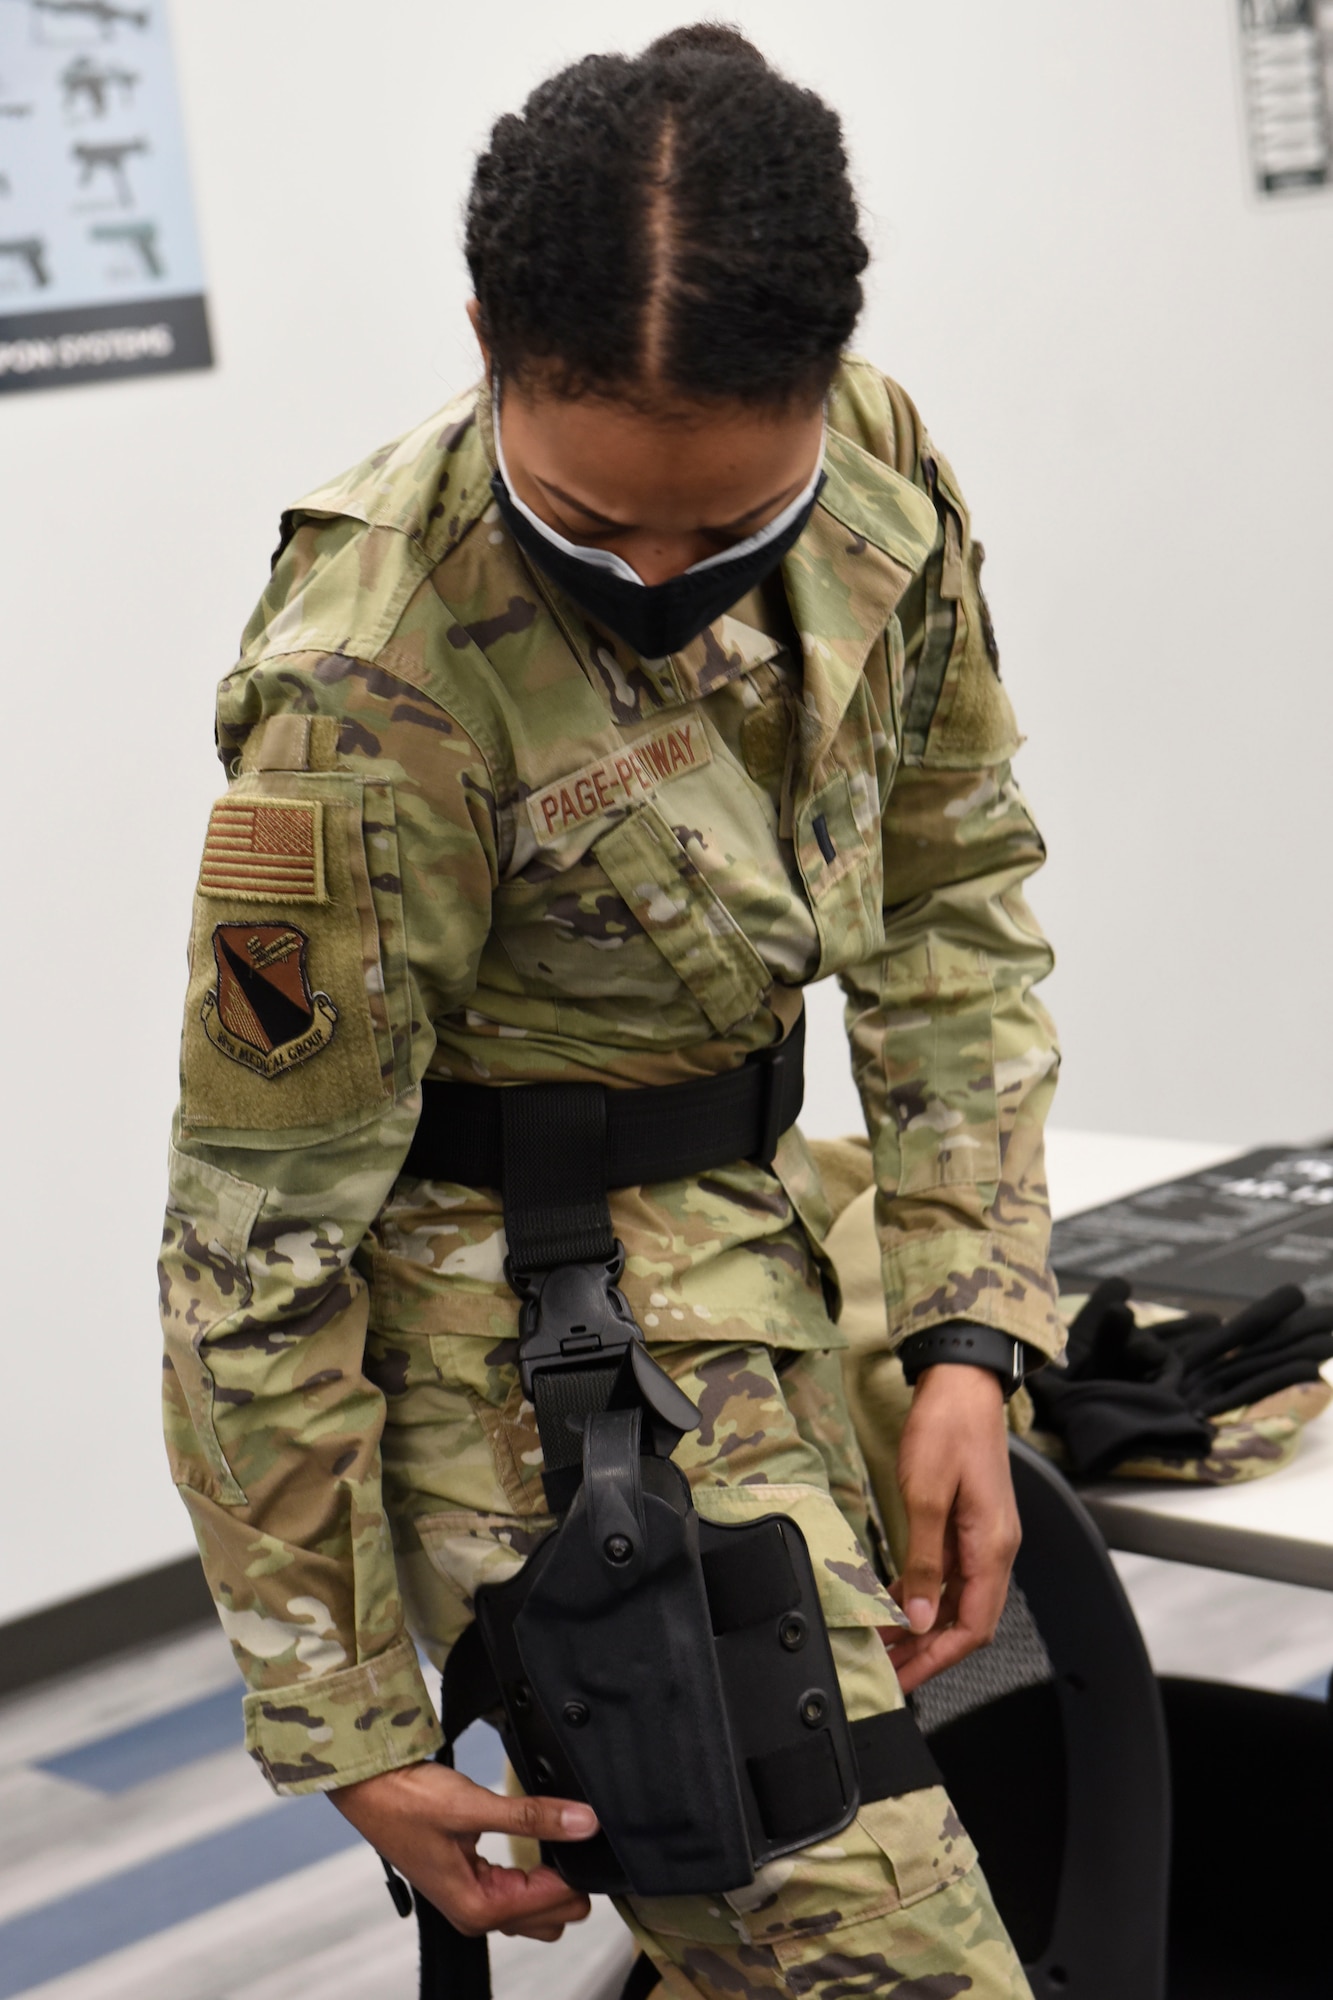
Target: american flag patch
265 850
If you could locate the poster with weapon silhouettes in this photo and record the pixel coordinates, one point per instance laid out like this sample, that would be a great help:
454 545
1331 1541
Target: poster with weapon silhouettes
100 272
1286 50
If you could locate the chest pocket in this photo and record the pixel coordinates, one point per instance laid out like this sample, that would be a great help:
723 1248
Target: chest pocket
684 917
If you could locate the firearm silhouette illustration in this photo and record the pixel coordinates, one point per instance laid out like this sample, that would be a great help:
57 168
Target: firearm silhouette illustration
109 159
87 78
102 11
32 251
143 237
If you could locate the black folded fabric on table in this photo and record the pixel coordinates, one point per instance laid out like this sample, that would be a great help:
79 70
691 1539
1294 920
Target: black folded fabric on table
1133 1391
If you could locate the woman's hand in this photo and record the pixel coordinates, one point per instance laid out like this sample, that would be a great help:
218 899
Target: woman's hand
425 1819
962 1521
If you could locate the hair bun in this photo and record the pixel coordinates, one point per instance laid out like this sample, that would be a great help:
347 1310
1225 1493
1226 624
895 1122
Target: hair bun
707 38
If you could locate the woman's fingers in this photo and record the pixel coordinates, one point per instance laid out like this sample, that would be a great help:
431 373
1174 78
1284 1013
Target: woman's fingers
491 1898
967 1618
426 1820
466 1808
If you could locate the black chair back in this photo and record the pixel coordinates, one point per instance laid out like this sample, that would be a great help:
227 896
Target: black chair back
1054 1749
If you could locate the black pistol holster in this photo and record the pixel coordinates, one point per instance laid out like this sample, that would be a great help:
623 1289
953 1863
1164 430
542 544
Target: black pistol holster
674 1673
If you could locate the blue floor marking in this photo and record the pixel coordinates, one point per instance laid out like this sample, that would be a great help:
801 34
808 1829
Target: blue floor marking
1318 1689
178 1736
141 1901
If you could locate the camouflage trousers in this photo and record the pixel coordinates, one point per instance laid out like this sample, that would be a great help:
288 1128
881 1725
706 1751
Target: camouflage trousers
896 1904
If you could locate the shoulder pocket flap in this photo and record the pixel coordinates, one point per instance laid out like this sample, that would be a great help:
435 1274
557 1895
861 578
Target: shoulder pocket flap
685 918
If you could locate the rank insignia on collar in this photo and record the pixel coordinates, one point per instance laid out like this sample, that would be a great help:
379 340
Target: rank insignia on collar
262 1013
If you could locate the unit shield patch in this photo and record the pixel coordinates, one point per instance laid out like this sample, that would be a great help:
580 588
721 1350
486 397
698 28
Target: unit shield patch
262 1013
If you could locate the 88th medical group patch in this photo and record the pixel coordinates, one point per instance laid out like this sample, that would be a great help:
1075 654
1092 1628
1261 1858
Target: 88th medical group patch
262 1012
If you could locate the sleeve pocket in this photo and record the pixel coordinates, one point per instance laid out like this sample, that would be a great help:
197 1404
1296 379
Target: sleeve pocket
204 1279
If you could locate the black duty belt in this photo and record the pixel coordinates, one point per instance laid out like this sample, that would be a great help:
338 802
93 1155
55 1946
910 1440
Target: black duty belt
468 1131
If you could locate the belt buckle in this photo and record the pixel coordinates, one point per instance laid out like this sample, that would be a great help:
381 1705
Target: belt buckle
574 1316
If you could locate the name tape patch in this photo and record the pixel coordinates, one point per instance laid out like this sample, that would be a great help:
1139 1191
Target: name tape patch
615 780
271 850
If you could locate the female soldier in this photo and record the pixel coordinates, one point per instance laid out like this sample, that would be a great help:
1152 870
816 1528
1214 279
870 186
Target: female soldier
575 733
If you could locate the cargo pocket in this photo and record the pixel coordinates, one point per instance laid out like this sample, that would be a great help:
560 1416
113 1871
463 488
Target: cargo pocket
469 1549
684 916
462 1550
923 1840
204 1280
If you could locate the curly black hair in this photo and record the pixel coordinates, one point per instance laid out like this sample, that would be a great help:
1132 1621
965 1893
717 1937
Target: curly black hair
678 225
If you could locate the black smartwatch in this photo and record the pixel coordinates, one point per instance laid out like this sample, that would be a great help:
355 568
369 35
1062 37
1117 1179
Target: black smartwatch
959 1340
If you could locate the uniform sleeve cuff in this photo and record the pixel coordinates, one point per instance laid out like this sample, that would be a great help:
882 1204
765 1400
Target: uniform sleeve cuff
960 1274
338 1728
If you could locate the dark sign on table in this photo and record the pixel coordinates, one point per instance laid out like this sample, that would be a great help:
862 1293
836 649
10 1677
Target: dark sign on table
1214 1239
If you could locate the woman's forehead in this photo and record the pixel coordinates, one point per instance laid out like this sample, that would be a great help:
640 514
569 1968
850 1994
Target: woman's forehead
624 463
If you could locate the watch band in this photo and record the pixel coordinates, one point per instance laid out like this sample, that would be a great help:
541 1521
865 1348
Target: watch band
958 1340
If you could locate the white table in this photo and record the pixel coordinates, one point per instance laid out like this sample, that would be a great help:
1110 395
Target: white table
1280 1527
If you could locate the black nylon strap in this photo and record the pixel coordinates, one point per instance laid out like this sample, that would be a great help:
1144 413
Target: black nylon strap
644 1978
800 1781
562 1398
555 1175
891 1755
453 1967
661 1133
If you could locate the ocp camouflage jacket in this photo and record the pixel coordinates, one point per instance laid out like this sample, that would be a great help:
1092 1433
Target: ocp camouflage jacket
468 836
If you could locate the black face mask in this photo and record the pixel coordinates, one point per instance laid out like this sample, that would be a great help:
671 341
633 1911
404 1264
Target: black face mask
654 619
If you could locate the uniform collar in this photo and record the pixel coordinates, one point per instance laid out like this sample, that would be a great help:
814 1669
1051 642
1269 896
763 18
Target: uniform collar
869 535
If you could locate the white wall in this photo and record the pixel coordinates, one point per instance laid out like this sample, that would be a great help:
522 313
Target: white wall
1125 356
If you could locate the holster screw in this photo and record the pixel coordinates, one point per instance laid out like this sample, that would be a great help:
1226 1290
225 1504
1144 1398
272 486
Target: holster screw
543 1770
618 1548
521 1695
576 1713
792 1632
814 1707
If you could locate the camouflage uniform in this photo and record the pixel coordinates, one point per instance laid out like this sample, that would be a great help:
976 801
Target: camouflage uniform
468 836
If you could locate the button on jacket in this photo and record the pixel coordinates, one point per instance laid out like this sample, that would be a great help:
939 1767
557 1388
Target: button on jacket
468 836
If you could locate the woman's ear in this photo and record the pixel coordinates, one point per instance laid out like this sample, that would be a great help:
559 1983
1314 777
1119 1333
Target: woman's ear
474 316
